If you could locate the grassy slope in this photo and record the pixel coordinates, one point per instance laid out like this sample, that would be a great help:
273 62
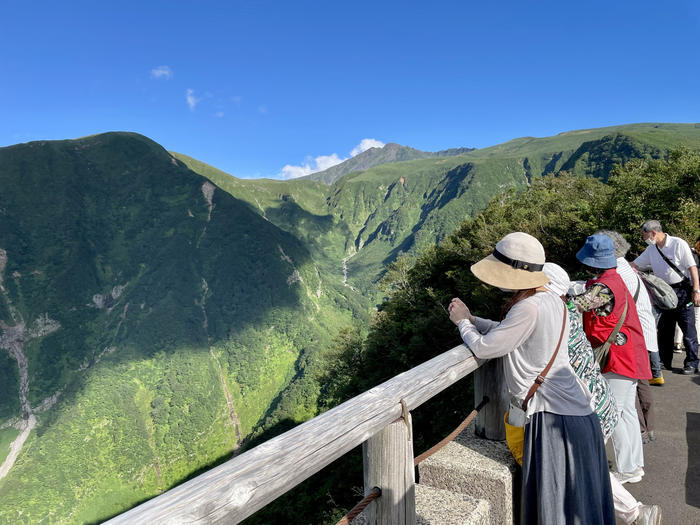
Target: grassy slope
374 213
83 217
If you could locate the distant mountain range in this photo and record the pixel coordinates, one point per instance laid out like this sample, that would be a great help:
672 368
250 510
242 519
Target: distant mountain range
375 156
156 312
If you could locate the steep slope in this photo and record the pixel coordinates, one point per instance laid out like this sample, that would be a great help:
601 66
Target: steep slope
366 219
148 323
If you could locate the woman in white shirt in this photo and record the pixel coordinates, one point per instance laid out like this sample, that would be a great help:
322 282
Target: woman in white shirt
563 449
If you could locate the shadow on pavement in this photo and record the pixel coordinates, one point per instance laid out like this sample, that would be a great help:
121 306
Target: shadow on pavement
692 477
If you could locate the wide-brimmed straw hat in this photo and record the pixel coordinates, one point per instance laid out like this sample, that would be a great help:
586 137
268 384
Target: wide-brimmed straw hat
515 264
598 252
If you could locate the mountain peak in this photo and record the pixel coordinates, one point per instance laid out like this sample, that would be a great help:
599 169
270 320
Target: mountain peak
390 152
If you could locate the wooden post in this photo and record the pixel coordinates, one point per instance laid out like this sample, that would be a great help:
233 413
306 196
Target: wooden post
489 380
388 464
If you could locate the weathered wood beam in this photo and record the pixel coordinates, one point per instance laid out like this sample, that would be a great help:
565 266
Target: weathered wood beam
236 489
490 381
388 463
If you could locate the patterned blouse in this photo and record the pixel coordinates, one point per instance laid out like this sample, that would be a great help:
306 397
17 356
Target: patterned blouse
583 362
600 299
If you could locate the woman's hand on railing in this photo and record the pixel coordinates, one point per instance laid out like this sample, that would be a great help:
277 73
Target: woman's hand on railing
459 311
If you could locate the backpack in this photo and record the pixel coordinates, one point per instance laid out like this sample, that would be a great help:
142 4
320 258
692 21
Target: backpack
662 295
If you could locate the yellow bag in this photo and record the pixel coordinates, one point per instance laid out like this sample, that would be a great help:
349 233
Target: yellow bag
515 437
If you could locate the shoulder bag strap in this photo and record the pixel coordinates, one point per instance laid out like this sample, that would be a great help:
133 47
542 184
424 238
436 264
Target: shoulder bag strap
675 268
602 351
540 378
639 285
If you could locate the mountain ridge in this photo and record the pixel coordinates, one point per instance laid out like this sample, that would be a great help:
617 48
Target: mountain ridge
390 152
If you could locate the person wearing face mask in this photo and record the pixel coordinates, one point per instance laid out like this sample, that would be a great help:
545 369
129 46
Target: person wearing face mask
563 444
610 318
671 259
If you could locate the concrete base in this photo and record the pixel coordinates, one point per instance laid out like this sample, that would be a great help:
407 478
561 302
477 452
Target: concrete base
479 468
443 507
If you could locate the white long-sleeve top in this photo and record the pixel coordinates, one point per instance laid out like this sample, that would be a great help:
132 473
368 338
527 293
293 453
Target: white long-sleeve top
646 317
527 337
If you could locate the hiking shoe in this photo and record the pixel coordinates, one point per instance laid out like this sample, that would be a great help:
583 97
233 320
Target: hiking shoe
630 477
658 381
649 515
689 370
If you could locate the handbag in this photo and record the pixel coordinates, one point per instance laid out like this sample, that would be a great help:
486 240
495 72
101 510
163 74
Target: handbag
602 353
515 434
662 295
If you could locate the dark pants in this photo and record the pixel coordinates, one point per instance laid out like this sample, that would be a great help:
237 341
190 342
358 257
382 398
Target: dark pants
684 315
645 406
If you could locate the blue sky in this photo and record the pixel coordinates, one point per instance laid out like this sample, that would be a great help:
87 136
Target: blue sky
253 87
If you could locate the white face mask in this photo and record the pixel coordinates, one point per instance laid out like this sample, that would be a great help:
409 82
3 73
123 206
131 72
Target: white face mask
506 290
650 242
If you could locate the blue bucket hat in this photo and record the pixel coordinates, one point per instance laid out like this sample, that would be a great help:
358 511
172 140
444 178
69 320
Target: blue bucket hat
598 252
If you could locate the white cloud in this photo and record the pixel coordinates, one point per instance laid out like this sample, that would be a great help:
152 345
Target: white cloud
262 110
192 101
294 172
366 144
219 114
323 162
320 163
163 72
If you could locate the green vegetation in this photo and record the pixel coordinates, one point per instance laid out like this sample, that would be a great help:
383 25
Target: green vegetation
177 323
403 207
155 299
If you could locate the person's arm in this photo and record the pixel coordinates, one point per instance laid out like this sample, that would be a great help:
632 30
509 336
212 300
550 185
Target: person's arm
643 262
501 338
696 284
597 297
460 312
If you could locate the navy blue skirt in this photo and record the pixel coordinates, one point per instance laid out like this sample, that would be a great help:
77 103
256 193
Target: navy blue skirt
565 472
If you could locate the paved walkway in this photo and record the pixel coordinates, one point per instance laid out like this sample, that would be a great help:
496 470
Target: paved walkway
672 462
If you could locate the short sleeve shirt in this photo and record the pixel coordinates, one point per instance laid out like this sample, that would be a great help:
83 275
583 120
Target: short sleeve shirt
677 251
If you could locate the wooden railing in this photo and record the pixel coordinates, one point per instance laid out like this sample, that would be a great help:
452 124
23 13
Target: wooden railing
379 419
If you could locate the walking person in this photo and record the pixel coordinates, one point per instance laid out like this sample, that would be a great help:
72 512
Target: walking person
585 366
563 448
610 319
671 259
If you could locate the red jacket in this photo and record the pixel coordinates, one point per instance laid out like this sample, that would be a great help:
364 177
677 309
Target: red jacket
630 359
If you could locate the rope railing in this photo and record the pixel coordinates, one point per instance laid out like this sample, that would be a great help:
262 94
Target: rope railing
457 431
355 511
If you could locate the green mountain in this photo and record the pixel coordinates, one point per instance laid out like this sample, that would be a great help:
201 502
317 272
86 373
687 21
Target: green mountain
375 156
366 219
151 322
157 313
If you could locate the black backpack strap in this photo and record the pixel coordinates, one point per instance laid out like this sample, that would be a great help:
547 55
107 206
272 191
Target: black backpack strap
668 261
